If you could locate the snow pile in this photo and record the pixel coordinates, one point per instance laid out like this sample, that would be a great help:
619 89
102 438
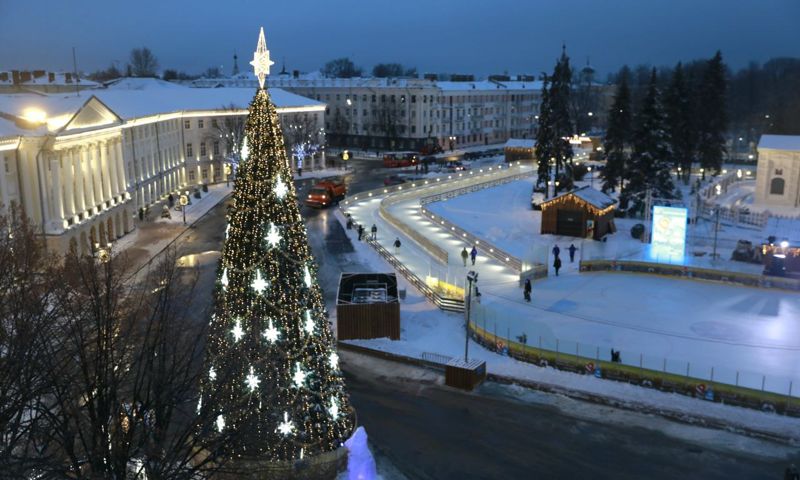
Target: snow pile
360 464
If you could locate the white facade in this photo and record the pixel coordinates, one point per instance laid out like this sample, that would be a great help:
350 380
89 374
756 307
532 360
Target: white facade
778 173
82 167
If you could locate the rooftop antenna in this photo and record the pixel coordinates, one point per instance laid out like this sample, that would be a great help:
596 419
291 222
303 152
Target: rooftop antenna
75 73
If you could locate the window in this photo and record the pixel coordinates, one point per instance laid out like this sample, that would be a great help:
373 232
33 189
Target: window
191 175
776 186
214 123
189 152
413 99
413 129
204 174
216 147
364 98
187 124
373 99
202 149
200 123
778 171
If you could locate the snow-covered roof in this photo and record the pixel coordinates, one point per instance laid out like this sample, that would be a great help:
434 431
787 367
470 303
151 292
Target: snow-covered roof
42 77
596 198
139 97
780 142
520 143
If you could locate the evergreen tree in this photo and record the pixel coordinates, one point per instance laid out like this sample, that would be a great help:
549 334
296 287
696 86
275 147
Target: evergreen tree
649 164
561 125
270 351
678 109
618 137
712 115
544 139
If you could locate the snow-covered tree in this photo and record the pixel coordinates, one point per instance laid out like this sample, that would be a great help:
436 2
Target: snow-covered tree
618 136
679 112
712 115
650 160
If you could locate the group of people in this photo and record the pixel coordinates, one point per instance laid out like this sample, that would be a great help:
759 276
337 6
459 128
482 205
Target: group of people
557 260
472 254
360 229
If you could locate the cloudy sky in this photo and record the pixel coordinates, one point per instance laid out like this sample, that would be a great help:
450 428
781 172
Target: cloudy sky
468 36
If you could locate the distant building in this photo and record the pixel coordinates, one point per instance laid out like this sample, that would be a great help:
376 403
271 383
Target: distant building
42 81
778 173
410 113
81 167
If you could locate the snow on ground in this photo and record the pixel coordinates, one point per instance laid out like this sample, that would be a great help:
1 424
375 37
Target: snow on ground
425 328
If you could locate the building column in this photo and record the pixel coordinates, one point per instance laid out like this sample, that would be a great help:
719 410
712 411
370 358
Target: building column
123 186
88 183
57 188
112 169
97 175
106 171
67 178
80 196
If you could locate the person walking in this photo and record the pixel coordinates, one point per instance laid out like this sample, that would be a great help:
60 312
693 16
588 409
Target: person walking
473 254
557 265
360 232
396 244
527 289
572 249
464 255
374 232
556 251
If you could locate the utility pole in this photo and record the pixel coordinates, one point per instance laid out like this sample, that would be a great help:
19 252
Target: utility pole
75 73
716 233
472 276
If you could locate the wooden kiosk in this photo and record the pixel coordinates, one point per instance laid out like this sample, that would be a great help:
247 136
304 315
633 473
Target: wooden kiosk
583 212
367 306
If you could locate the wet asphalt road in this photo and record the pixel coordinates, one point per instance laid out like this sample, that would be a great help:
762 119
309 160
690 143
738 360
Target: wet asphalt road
430 432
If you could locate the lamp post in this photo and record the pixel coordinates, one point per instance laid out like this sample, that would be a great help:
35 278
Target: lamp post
591 177
184 202
228 171
472 276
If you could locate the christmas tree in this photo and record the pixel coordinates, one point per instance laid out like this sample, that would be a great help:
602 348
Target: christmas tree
271 352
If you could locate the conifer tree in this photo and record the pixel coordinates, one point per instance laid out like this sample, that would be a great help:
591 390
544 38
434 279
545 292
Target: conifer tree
649 163
544 139
678 110
618 137
560 121
712 115
270 351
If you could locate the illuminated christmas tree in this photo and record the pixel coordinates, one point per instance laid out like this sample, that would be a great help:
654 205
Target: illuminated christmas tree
271 352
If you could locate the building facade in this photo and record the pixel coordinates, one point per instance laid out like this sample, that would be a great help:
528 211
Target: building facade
778 172
82 167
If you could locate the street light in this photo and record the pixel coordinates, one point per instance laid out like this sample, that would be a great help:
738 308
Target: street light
591 177
472 276
228 170
184 202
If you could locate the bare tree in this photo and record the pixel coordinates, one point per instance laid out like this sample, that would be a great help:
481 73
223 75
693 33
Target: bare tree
341 68
230 128
301 134
26 289
143 62
121 368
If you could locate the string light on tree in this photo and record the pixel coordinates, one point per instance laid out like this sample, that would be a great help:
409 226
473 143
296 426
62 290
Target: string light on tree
224 279
280 188
333 409
308 326
212 374
307 277
220 423
333 359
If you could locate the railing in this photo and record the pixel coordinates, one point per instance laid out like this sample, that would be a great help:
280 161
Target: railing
444 303
720 384
435 251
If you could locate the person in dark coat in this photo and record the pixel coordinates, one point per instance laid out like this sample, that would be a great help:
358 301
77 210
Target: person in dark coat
374 232
527 289
349 222
556 251
360 232
464 255
473 254
396 244
557 265
572 249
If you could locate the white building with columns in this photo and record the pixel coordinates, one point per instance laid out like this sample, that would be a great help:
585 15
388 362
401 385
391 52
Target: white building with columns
81 167
778 174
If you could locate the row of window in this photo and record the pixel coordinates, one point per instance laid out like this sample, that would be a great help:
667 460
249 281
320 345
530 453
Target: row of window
187 124
203 150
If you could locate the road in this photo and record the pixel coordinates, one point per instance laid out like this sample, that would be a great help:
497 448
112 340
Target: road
430 432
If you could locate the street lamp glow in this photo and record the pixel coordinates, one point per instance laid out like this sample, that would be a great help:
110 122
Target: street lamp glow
784 244
34 115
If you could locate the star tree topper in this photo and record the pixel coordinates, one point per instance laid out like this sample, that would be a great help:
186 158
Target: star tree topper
261 61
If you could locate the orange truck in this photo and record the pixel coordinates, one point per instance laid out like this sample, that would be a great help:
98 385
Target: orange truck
325 193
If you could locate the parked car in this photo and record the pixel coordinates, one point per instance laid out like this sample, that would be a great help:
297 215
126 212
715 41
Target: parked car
393 180
455 167
325 193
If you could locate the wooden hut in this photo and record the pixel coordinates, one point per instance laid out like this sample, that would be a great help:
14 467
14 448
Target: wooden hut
584 212
519 149
367 306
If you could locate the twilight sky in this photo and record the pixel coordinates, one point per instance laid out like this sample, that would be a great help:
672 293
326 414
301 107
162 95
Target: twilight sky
465 36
